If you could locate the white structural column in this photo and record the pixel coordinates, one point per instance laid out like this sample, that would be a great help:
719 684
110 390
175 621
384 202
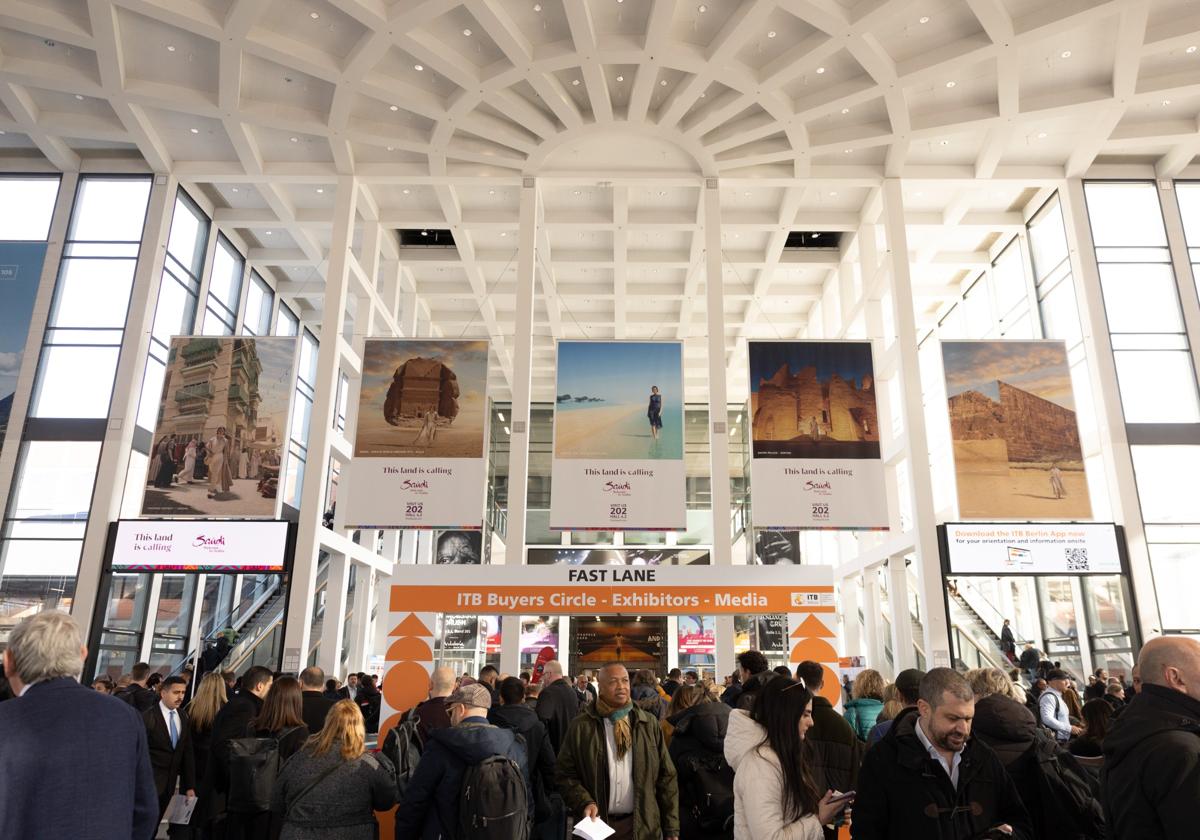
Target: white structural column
873 643
718 408
522 367
303 580
901 615
333 623
118 438
852 642
929 572
1110 420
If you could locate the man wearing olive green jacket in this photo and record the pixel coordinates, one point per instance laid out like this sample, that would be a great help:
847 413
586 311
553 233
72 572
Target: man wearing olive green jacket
614 765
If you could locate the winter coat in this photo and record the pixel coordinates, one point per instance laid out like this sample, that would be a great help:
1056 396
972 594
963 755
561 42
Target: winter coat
524 721
557 705
751 687
901 783
699 729
862 714
835 748
341 806
758 787
583 773
731 695
431 801
1151 775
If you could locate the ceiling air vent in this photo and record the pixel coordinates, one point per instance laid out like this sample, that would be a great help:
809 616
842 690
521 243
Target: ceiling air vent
805 239
425 238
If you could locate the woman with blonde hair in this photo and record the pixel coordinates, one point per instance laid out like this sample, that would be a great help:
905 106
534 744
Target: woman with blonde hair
893 704
209 699
863 710
332 787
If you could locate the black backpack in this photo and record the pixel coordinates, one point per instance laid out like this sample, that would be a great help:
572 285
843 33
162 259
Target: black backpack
253 767
706 785
494 803
403 747
1070 809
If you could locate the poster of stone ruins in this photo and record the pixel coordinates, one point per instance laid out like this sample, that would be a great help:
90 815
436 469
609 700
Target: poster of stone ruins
1012 422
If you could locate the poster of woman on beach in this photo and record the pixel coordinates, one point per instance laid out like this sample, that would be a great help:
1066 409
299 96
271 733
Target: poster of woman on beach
619 400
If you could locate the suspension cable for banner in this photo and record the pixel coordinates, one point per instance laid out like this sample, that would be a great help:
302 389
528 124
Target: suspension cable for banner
487 294
753 298
557 296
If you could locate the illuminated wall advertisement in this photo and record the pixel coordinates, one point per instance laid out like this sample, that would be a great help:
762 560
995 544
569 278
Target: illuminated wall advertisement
419 447
697 634
20 273
1032 548
222 423
145 545
815 459
618 437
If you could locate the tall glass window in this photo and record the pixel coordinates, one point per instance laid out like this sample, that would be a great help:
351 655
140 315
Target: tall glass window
1188 195
287 323
259 298
91 301
51 496
224 290
1150 346
178 294
302 406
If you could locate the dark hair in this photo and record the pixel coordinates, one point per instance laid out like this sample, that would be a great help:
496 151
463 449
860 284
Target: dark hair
512 691
1056 674
283 706
1096 716
812 673
752 661
256 676
139 671
153 680
673 673
941 681
644 677
178 680
693 675
331 685
525 677
487 669
778 709
783 671
312 677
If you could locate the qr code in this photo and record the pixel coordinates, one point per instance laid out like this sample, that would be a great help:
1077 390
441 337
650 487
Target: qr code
1077 560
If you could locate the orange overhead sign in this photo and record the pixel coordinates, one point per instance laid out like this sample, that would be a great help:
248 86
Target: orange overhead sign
587 590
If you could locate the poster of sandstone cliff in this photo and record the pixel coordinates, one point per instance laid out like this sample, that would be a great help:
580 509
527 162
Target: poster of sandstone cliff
420 435
815 436
618 437
1012 421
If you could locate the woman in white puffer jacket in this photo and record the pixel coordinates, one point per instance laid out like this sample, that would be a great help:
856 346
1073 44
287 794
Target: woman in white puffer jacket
775 800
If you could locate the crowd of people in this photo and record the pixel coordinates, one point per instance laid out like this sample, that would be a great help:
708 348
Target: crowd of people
766 756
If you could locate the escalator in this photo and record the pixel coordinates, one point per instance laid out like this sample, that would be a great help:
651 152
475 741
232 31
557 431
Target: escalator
976 644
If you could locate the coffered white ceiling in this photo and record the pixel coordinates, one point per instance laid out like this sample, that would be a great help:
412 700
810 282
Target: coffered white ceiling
619 108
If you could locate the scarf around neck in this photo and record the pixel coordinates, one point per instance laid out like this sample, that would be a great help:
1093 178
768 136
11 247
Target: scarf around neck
622 728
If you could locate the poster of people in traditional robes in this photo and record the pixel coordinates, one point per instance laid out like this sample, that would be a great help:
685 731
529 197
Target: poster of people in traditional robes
618 437
1017 453
420 436
222 428
815 459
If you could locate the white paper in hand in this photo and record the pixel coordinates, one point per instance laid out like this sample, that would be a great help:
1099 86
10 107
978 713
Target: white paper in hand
593 829
179 811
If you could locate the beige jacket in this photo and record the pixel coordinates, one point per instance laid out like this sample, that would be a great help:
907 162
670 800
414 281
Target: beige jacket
758 786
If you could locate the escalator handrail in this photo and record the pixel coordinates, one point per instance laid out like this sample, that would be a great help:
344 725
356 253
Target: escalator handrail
268 587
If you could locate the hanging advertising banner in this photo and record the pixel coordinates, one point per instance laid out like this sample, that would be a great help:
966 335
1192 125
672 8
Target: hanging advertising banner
20 274
634 641
1031 548
419 448
618 437
222 428
815 459
146 545
1017 453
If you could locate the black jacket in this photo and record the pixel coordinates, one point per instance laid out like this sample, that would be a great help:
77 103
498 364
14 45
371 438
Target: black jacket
835 749
431 715
316 706
1029 659
431 800
699 730
557 706
900 784
170 763
140 697
751 687
731 694
231 722
525 722
1151 775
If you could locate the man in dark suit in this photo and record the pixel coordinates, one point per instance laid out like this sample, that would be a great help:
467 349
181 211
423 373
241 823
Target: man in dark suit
73 761
168 735
316 704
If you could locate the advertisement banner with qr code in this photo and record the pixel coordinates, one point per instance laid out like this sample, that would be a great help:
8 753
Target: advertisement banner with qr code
1043 548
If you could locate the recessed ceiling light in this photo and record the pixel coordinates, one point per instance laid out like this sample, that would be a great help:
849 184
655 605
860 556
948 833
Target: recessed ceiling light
294 139
170 48
771 34
1190 49
816 236
944 142
662 193
491 192
503 234
845 110
820 70
1166 102
923 19
1065 54
424 233
467 32
663 83
833 194
270 232
537 7
575 82
234 189
702 8
391 148
577 192
951 84
620 78
406 190
393 107
418 67
847 151
320 189
2 131
703 94
194 130
1041 135
314 15
79 96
